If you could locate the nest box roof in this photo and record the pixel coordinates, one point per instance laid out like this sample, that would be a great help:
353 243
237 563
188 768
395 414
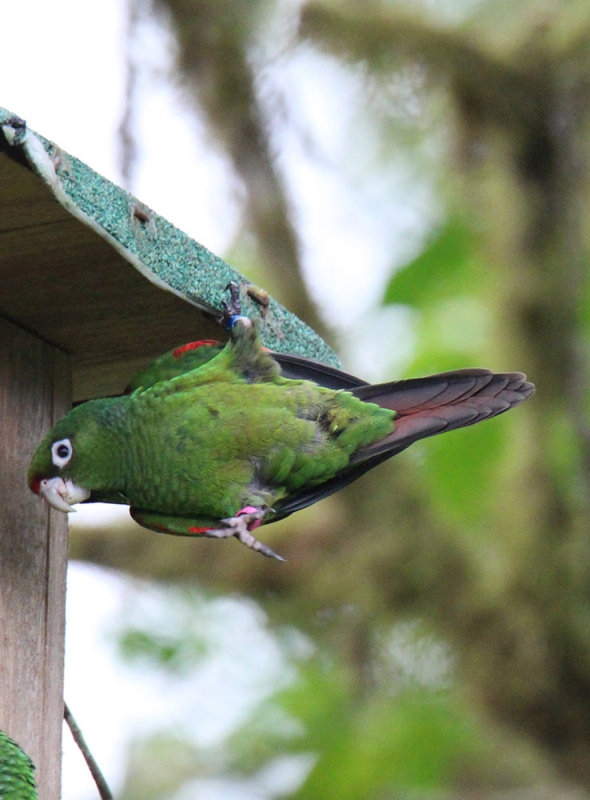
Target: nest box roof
88 268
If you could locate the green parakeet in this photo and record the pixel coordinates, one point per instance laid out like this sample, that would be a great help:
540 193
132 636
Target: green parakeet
215 441
17 772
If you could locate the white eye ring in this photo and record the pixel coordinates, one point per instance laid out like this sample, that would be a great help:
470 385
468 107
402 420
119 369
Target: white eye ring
61 452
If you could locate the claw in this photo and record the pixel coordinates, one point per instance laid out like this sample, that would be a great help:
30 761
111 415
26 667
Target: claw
232 311
241 526
245 537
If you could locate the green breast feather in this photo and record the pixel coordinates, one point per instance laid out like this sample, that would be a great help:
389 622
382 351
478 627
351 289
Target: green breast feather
17 780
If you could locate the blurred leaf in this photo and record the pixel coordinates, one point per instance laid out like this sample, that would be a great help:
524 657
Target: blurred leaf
159 765
450 334
171 652
446 267
412 741
368 745
461 470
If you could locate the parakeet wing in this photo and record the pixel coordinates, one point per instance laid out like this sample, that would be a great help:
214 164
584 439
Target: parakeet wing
193 355
299 368
175 362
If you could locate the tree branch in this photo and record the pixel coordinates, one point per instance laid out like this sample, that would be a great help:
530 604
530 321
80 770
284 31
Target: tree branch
99 779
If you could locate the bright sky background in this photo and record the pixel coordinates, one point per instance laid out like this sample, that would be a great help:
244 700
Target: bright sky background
63 72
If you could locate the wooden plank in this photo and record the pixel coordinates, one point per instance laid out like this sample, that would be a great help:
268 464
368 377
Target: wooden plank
34 393
71 288
67 286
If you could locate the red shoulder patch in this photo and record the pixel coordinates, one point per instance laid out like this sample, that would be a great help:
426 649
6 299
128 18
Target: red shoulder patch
192 346
199 530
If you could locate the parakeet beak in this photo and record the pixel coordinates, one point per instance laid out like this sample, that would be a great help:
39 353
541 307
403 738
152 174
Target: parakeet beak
62 494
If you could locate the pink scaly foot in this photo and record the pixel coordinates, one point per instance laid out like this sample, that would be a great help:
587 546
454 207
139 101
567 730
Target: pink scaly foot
241 526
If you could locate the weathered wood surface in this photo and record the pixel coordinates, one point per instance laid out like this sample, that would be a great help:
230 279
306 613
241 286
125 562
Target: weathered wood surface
34 393
62 282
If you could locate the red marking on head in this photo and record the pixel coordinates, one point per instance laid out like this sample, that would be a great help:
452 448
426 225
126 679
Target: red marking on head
199 530
35 485
193 346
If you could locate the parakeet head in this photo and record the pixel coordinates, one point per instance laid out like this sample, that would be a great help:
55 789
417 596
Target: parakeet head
71 460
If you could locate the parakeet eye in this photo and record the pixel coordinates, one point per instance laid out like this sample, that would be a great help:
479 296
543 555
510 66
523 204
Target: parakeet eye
61 452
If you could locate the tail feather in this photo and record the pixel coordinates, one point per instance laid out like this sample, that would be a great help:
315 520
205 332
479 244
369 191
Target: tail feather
444 402
424 407
446 388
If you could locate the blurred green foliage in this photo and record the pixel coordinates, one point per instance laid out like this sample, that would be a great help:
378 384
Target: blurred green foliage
447 267
477 540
